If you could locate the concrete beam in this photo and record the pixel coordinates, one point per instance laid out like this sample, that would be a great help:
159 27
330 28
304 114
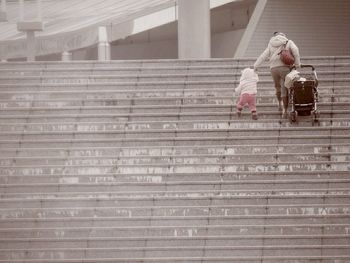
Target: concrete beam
30 26
248 34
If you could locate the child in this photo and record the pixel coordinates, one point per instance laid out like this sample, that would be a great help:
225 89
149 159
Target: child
246 91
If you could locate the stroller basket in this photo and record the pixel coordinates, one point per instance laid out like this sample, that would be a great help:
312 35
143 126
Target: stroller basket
303 92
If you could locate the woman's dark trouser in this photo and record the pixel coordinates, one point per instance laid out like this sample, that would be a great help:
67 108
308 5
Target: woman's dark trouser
278 75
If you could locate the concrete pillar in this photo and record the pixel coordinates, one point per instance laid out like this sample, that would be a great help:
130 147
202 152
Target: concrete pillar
21 12
104 49
194 29
30 45
39 10
3 5
30 27
66 56
3 11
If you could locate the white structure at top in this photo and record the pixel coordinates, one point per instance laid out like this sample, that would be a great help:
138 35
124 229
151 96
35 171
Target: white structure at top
66 31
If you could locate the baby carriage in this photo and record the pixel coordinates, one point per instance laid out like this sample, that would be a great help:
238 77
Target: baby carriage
303 94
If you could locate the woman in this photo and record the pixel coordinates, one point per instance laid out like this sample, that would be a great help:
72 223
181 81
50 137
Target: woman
278 69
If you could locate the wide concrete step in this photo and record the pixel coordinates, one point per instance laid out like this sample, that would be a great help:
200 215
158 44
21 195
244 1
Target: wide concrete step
174 159
159 254
158 119
174 141
208 198
248 235
71 184
147 63
330 103
333 259
330 60
130 126
164 103
175 179
184 86
176 195
155 151
121 133
164 114
147 77
106 69
24 227
25 215
173 252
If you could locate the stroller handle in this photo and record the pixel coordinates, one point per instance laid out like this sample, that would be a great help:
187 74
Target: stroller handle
307 66
303 66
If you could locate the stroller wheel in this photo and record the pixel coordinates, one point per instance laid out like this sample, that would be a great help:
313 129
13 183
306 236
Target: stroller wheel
293 116
315 117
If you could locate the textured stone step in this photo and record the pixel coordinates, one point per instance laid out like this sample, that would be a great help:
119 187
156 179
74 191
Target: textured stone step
166 103
171 252
175 141
122 70
263 127
146 77
164 62
71 184
178 195
330 60
174 159
247 259
168 126
99 225
90 226
28 214
93 200
177 133
164 168
133 109
328 85
171 125
205 149
191 235
153 125
181 240
179 179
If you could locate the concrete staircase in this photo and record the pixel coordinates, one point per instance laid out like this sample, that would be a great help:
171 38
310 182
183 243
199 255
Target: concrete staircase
146 161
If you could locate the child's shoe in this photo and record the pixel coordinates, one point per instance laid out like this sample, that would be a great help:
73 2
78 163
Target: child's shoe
254 115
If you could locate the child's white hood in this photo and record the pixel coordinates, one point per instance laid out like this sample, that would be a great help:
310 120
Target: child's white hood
249 74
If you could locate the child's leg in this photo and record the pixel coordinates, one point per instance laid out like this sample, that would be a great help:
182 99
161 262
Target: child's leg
252 106
251 100
240 102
